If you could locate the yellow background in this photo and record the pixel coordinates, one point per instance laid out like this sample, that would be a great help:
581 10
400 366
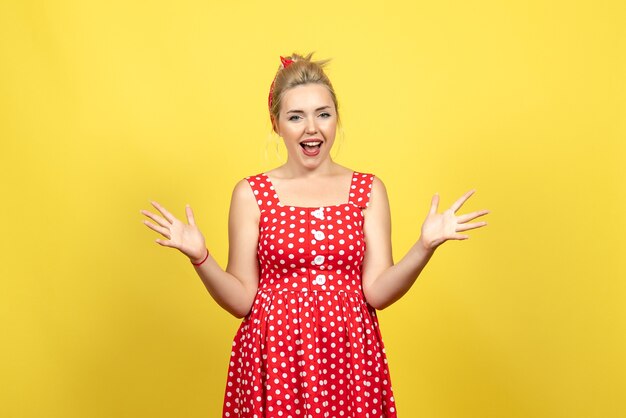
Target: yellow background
106 105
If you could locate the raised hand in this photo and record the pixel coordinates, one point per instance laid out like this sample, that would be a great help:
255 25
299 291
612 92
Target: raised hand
440 227
186 238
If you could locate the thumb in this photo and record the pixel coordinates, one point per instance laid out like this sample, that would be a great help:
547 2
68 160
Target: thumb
165 243
190 218
434 204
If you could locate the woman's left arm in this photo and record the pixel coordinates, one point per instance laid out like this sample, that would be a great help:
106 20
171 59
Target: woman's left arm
385 282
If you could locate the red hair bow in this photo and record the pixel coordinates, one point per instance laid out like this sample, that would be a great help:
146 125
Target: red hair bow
286 62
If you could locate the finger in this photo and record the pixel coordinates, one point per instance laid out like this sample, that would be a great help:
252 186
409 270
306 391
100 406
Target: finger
190 217
164 243
470 216
434 204
163 231
163 211
155 218
474 225
457 205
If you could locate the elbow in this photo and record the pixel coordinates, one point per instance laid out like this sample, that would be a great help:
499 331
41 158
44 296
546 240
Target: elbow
240 312
238 315
373 301
378 305
377 301
240 304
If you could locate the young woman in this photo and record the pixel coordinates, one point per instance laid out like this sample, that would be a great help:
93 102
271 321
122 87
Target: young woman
309 264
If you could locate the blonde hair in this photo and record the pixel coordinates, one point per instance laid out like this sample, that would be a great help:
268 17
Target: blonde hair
302 71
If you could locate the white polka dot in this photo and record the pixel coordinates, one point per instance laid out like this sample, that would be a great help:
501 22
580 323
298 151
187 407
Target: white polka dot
309 330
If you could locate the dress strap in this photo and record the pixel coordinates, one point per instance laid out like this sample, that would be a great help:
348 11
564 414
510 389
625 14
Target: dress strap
361 189
263 190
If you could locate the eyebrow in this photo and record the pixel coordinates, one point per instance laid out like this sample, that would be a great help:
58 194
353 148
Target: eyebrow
301 111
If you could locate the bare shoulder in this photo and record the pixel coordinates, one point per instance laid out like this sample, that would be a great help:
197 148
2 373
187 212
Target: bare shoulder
378 196
378 183
378 187
242 190
243 199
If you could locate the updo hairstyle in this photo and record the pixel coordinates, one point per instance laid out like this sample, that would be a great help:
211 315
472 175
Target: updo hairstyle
302 71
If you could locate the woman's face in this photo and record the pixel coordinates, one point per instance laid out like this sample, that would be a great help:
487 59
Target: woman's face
308 116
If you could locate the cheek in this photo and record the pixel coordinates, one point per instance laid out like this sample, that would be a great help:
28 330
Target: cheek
287 131
330 127
292 133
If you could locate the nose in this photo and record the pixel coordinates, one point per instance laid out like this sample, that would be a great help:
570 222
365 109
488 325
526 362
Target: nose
311 126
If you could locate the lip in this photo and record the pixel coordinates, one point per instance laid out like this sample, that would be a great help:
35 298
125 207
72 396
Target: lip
311 140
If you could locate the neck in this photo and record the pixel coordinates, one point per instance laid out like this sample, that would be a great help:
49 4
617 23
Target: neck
297 170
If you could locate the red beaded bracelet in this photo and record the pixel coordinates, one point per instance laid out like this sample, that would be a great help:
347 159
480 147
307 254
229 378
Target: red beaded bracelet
207 256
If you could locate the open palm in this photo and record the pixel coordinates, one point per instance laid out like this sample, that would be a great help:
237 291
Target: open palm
185 237
440 227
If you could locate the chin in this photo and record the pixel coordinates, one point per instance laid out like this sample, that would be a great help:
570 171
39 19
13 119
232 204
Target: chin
312 163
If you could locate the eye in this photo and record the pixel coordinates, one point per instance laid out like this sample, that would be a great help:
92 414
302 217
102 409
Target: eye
293 116
325 114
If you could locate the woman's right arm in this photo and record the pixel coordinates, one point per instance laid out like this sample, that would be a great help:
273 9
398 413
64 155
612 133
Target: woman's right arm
234 289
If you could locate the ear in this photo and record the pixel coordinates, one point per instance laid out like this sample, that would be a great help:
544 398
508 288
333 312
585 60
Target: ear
274 124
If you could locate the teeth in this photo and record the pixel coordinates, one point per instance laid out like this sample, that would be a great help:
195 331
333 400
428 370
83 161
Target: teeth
311 144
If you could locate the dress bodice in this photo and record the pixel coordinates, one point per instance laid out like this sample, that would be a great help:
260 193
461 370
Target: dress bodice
311 248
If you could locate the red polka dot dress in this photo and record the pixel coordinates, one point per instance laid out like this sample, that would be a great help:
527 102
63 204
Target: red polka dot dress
310 347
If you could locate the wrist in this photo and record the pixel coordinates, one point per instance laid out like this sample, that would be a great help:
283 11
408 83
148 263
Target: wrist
424 246
199 261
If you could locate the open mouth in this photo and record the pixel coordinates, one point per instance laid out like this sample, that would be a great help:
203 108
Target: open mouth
311 145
